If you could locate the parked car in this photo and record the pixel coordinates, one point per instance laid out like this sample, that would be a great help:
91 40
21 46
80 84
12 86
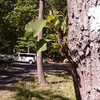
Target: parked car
25 57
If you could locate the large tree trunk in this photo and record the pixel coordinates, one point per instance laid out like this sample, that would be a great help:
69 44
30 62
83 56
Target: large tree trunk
41 76
84 49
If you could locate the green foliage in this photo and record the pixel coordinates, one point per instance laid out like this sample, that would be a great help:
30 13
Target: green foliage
50 18
20 16
24 43
41 45
51 37
58 5
54 24
64 26
14 15
52 42
1 1
57 22
34 27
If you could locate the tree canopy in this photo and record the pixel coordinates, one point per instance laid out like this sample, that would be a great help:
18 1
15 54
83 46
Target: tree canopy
15 15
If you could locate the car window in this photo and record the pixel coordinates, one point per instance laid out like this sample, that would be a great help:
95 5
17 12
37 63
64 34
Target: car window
25 55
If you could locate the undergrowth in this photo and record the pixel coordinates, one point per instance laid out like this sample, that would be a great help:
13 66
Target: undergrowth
58 87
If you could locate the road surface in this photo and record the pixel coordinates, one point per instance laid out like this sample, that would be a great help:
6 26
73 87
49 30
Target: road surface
18 72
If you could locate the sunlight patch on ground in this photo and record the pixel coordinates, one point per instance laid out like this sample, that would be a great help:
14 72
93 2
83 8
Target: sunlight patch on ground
6 95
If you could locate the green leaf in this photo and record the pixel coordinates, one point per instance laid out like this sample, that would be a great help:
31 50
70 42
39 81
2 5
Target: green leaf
57 22
35 27
55 45
50 18
41 45
1 1
64 26
51 36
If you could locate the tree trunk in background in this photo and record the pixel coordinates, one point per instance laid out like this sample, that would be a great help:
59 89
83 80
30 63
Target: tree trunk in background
41 76
60 41
28 49
84 49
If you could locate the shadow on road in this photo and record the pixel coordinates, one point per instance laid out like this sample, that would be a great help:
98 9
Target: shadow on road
18 72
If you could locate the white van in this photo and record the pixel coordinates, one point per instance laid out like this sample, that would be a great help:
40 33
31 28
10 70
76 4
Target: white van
25 57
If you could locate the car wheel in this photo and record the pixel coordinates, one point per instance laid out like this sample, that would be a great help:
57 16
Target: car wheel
30 62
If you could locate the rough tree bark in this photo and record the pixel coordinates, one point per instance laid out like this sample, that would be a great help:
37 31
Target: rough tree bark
84 49
41 76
